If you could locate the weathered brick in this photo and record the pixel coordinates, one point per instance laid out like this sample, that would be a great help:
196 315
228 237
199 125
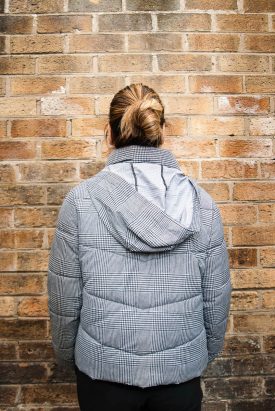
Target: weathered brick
87 5
7 173
262 126
49 171
8 261
252 278
176 126
23 329
242 105
45 393
64 24
270 386
267 257
88 126
240 345
269 343
17 106
21 195
215 84
21 238
66 106
8 351
162 5
251 387
90 168
243 63
188 147
98 85
36 350
123 62
33 307
246 148
17 65
259 6
37 85
225 126
254 235
49 127
2 44
220 367
186 62
253 323
260 191
211 4
241 22
16 24
2 88
242 257
124 22
238 214
65 64
245 300
260 84
163 83
69 149
253 365
35 6
252 405
2 6
219 191
32 260
213 42
268 299
184 22
7 306
8 394
37 44
267 169
229 169
267 213
15 373
6 217
56 193
190 167
188 104
35 217
214 405
20 284
93 43
260 43
155 42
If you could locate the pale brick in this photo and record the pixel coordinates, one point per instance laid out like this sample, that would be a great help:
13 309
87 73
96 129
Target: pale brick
188 147
8 262
55 106
97 85
254 235
69 149
241 22
50 127
155 42
215 84
213 42
190 168
162 5
65 64
33 307
246 148
37 44
64 24
219 191
21 195
35 6
252 278
242 105
17 106
267 257
33 260
186 62
88 126
3 129
2 86
184 22
260 84
22 239
238 214
260 43
260 191
269 299
87 5
267 213
36 217
161 83
124 22
188 104
6 217
224 126
253 323
17 150
133 62
57 192
245 300
47 171
37 85
262 126
175 126
7 173
267 169
243 63
7 306
263 6
211 4
92 43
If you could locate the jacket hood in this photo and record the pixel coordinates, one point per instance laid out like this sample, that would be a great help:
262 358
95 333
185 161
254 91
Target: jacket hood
145 200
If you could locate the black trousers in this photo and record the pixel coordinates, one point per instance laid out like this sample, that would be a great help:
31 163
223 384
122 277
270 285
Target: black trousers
99 395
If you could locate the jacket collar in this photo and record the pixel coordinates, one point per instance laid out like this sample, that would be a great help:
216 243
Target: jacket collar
141 154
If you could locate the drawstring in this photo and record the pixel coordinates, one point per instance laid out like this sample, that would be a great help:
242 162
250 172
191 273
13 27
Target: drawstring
135 177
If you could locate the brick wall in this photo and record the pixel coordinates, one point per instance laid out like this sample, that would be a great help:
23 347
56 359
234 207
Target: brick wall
212 61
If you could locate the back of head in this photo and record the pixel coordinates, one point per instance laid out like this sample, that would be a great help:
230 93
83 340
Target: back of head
136 116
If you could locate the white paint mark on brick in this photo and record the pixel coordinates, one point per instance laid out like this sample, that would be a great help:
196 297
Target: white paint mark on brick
60 90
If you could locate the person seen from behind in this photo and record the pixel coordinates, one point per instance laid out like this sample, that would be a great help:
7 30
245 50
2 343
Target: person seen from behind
139 281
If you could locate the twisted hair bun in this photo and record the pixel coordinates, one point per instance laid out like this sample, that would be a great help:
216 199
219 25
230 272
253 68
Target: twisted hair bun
137 116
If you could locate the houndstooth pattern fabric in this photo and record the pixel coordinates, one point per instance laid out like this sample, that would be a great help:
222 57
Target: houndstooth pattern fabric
135 297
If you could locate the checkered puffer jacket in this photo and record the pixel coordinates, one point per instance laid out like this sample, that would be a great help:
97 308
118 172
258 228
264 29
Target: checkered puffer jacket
139 282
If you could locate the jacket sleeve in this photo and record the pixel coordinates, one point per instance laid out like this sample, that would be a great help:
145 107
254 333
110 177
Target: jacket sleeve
216 287
65 283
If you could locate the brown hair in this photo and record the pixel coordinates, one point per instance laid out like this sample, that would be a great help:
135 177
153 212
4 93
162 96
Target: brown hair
136 116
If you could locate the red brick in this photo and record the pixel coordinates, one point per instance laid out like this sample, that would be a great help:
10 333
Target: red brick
213 42
66 106
36 350
92 43
215 84
155 42
3 129
124 22
260 84
16 24
223 126
49 127
123 62
19 150
65 64
87 5
45 393
231 388
17 65
69 149
237 344
97 85
21 195
254 191
211 4
23 329
37 85
35 6
33 307
20 284
184 22
241 22
37 44
8 394
63 24
264 235
15 373
8 351
186 62
242 105
246 148
229 169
